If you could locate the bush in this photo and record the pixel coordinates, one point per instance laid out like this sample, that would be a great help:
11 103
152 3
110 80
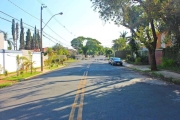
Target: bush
6 73
138 60
130 58
167 62
144 60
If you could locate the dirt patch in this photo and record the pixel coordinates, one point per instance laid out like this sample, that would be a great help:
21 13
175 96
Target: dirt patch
7 81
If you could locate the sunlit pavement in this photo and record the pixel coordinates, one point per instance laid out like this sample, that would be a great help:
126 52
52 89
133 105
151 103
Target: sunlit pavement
91 90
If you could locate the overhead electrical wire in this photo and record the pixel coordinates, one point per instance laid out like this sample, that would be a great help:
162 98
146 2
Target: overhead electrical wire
23 10
49 11
15 18
36 19
34 30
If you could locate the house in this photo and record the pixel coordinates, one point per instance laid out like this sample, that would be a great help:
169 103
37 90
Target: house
160 41
3 43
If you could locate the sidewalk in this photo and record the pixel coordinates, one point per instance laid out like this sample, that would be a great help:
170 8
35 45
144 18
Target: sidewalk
162 73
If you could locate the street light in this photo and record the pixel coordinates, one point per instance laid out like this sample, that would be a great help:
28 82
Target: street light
51 18
41 28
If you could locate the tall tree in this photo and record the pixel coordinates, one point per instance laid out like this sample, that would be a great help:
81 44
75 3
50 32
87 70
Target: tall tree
13 31
38 43
170 14
21 36
119 44
17 34
33 41
91 44
28 40
133 15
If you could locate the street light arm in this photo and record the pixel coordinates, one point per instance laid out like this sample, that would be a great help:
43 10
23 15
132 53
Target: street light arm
50 19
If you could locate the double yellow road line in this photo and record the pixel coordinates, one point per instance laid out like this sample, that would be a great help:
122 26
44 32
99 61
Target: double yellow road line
79 98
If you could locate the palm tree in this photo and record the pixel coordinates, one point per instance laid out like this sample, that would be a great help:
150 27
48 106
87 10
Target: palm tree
123 34
1 69
18 61
10 43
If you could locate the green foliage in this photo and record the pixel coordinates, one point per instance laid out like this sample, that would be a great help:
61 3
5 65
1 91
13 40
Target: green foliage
5 85
119 44
13 30
137 60
92 46
134 46
144 60
28 40
22 36
130 58
167 62
6 73
21 77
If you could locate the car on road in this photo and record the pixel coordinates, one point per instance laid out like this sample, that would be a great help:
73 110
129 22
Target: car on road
116 61
110 59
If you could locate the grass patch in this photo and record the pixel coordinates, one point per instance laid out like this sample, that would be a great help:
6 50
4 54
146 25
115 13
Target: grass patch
70 61
21 77
5 85
175 69
54 67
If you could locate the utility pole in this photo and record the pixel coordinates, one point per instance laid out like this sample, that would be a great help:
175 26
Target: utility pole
41 40
41 28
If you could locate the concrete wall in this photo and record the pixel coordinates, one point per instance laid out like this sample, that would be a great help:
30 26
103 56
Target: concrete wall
8 59
122 54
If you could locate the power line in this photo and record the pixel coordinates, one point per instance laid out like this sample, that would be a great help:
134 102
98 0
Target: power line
49 11
34 30
56 39
52 40
49 39
35 18
23 10
5 19
15 18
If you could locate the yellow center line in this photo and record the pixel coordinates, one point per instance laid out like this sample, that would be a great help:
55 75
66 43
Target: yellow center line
80 90
71 117
79 117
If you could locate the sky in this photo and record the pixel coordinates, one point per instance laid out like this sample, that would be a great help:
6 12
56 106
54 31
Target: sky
78 19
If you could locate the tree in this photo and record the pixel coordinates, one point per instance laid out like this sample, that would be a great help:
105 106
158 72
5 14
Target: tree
17 35
170 14
13 31
123 34
108 52
119 44
37 41
90 45
8 41
18 61
133 15
34 39
28 40
21 36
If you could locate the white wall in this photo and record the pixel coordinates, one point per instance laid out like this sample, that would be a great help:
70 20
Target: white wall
37 59
1 41
10 59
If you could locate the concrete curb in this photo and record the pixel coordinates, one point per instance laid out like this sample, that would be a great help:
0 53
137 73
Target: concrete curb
156 75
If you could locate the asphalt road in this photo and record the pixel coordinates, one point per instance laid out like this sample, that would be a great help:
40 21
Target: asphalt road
91 90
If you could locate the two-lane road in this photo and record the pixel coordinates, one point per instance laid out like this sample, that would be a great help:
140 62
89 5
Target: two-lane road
91 90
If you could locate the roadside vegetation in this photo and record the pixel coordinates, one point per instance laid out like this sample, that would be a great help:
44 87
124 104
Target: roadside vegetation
145 19
5 85
21 77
